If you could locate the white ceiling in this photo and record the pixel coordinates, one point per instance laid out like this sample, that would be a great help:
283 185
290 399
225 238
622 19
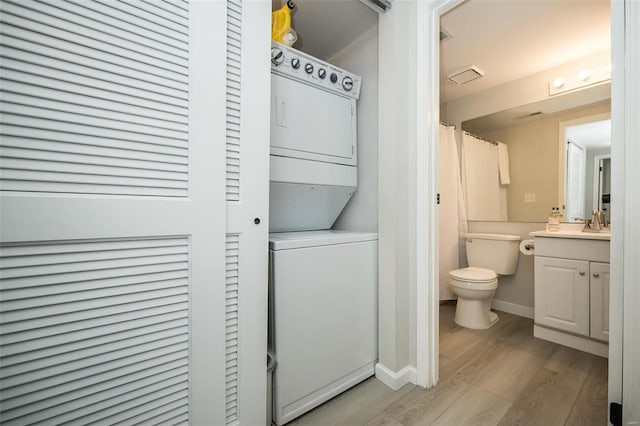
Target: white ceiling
591 135
512 39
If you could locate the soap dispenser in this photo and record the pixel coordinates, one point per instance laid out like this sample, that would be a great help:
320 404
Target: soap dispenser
553 222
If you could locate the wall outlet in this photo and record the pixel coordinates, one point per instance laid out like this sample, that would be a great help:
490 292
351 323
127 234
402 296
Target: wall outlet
530 197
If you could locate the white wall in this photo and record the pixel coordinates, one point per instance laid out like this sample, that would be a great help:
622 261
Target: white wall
397 141
361 57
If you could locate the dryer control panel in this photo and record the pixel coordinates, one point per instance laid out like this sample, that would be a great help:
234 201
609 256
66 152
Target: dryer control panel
292 63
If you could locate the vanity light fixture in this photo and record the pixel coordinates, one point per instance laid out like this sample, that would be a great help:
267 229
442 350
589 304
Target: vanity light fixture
580 80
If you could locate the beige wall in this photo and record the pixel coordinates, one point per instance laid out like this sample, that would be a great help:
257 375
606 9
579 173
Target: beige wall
533 158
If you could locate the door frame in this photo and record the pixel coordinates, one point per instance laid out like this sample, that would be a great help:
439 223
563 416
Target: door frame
625 40
427 219
624 317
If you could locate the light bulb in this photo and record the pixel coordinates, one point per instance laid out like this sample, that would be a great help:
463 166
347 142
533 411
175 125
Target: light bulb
584 75
558 82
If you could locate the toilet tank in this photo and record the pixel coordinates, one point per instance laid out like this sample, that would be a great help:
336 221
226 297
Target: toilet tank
498 252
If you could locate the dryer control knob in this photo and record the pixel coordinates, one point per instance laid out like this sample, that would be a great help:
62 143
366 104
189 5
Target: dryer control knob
347 83
308 68
295 63
277 56
333 77
322 73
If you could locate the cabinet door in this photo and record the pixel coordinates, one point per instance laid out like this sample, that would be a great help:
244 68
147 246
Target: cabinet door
562 294
599 300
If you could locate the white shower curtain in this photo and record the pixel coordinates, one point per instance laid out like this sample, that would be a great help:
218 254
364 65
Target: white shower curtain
453 223
485 198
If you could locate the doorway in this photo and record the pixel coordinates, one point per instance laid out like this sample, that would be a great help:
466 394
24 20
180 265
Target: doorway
514 104
436 12
626 103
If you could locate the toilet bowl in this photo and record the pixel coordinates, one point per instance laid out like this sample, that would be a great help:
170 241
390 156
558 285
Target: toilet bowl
489 255
475 288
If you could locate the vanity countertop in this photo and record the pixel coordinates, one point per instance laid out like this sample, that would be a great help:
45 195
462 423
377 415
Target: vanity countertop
570 233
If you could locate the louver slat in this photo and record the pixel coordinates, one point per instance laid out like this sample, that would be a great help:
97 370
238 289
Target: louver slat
234 58
231 328
109 349
82 75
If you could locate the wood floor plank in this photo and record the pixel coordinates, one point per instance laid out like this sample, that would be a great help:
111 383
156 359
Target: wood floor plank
382 419
511 376
476 407
546 401
570 361
355 406
443 361
590 407
423 407
462 339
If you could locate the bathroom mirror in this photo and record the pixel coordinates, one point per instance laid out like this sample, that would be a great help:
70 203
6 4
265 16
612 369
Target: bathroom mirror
536 141
584 166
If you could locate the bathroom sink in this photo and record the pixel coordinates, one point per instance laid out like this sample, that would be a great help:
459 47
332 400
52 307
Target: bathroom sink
596 231
575 230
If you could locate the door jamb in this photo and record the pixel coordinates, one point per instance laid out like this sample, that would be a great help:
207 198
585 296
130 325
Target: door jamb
427 295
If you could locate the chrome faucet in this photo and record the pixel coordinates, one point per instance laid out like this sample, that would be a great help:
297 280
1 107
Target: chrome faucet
597 220
587 223
592 226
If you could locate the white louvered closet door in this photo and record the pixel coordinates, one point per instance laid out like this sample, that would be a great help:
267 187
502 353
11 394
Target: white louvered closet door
247 193
117 267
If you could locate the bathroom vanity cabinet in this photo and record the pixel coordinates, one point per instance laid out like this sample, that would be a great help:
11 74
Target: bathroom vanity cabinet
571 291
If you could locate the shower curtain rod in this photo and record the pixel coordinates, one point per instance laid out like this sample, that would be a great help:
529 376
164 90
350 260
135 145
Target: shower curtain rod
481 138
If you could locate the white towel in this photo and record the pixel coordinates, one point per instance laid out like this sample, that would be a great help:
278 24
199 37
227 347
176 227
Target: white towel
503 164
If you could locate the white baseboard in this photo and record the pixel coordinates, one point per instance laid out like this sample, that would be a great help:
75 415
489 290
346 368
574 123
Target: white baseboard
395 380
512 308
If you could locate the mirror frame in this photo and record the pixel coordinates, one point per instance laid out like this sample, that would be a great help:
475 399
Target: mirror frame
562 152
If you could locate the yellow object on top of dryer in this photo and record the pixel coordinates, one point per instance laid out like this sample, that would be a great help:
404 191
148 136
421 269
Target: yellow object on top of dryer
281 21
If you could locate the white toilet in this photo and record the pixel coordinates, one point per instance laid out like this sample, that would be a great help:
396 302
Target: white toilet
488 255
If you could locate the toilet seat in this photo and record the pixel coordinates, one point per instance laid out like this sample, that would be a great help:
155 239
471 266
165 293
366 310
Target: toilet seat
473 274
491 285
473 279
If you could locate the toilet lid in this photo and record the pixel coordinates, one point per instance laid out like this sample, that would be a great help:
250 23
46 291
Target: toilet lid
473 274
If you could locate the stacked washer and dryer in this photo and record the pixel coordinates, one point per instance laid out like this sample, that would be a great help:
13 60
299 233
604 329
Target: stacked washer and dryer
323 282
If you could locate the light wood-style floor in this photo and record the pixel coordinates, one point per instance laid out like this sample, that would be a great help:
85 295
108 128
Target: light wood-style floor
499 376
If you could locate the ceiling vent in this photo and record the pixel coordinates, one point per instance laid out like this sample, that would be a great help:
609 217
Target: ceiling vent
380 6
529 115
465 75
